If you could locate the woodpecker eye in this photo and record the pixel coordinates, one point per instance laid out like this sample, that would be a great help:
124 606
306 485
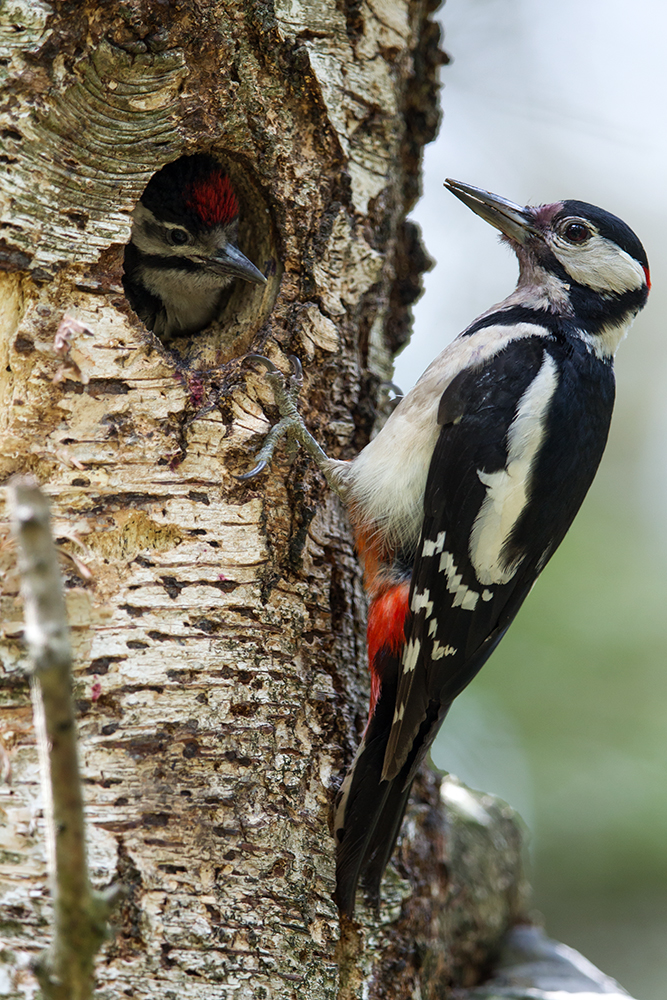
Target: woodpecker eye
576 232
178 237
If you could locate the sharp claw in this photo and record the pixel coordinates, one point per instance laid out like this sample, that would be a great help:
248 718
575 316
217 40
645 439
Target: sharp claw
297 367
396 389
286 391
253 472
260 359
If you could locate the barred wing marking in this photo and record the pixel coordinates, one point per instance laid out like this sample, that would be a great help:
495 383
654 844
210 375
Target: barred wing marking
466 585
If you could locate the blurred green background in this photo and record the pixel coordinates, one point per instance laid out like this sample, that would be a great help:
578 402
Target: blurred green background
568 720
568 723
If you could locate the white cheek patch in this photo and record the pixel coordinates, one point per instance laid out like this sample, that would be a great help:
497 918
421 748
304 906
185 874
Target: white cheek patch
600 265
507 491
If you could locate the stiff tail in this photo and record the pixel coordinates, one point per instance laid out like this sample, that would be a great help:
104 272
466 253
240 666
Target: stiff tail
364 798
370 810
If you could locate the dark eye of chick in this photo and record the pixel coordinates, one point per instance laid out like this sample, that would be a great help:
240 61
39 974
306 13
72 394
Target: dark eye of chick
178 237
576 232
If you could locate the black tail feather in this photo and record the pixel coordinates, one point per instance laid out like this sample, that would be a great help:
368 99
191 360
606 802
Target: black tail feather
370 811
363 794
387 828
383 840
363 806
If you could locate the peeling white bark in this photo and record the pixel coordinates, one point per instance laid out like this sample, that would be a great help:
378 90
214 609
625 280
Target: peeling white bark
218 627
65 972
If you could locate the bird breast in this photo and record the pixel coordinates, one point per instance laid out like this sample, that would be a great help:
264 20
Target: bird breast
387 480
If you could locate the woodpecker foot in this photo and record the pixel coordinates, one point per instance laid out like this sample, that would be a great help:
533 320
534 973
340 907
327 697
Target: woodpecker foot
286 389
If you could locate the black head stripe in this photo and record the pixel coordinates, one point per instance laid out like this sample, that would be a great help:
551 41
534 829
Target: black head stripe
608 225
595 311
175 263
592 310
556 324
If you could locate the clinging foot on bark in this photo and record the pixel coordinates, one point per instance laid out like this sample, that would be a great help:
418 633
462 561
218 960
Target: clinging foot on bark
286 390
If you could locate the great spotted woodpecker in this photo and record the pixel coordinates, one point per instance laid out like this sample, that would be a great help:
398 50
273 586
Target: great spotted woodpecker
468 489
182 251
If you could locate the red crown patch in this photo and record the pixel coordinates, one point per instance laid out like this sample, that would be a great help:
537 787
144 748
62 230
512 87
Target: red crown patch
213 199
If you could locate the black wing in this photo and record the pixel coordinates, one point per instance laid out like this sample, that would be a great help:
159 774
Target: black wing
539 409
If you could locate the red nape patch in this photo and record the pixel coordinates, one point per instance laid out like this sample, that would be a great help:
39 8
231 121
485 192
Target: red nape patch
213 199
386 629
648 278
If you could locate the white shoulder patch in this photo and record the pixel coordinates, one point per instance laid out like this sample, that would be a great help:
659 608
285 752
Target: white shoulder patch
508 490
388 477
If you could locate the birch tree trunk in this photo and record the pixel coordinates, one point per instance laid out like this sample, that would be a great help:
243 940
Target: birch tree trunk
218 627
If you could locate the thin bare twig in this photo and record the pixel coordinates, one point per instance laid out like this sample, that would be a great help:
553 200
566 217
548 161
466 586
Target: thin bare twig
65 972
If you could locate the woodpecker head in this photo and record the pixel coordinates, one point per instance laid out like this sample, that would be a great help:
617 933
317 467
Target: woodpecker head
574 259
182 251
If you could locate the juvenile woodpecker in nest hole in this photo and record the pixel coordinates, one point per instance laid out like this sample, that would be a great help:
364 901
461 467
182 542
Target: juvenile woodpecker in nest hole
465 494
182 252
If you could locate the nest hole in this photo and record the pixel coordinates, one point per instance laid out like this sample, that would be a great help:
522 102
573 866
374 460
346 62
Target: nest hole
242 307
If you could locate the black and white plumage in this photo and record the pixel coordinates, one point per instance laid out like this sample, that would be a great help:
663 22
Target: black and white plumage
469 488
182 252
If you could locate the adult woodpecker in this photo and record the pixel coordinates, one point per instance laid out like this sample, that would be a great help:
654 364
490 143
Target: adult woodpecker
182 251
468 489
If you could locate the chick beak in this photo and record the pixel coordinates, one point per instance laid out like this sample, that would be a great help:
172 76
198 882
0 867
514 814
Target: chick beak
230 260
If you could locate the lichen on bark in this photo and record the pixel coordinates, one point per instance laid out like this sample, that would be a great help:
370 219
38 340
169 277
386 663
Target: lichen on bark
218 628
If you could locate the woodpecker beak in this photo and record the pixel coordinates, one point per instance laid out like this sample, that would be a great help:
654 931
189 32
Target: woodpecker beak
512 220
230 260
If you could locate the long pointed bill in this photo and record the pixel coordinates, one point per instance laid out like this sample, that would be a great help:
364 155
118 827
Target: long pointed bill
512 220
232 261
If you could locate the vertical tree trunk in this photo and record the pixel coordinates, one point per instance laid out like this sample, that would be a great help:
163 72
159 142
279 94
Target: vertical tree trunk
218 627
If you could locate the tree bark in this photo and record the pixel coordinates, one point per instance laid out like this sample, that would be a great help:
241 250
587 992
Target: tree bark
218 627
80 916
